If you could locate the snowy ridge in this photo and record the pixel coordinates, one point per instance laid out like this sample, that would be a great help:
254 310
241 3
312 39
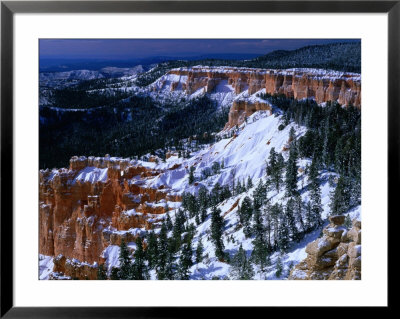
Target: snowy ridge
244 154
313 73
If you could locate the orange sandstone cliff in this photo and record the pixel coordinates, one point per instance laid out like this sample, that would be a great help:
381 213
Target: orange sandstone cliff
321 85
91 205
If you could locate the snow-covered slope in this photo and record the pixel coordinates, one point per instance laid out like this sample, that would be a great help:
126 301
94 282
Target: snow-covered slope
245 156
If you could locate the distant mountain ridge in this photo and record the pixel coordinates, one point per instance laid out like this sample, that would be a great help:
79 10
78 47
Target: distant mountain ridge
341 56
336 56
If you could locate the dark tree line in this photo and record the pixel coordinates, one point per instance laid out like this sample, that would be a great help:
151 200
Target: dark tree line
132 128
132 266
333 141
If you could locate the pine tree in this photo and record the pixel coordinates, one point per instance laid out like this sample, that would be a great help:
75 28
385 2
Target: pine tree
191 204
290 219
245 214
339 158
280 165
190 232
226 192
203 215
292 134
168 223
272 159
216 167
259 195
245 210
191 174
279 267
249 183
216 194
238 187
260 252
326 156
309 224
163 253
276 216
199 252
197 219
355 170
291 173
101 273
152 250
340 197
124 261
203 197
283 231
185 261
241 266
275 168
298 216
355 191
217 228
114 274
268 226
178 228
315 195
170 269
139 269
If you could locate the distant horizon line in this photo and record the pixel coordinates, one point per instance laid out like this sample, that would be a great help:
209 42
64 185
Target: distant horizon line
182 55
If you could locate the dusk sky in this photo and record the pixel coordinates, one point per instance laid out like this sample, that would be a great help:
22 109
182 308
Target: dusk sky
114 49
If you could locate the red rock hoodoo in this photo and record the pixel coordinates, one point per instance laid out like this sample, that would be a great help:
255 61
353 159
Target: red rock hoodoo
80 215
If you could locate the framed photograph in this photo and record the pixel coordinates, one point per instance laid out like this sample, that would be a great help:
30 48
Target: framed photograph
162 155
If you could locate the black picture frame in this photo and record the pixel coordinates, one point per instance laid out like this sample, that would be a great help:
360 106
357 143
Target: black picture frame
9 8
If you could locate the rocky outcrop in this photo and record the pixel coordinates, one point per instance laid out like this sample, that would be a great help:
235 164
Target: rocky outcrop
73 269
242 109
322 85
334 256
96 203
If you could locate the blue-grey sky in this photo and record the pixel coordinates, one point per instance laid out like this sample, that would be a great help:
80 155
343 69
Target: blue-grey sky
121 49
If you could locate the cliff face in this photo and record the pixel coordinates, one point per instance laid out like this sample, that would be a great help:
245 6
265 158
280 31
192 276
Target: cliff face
242 109
322 85
334 256
91 205
345 88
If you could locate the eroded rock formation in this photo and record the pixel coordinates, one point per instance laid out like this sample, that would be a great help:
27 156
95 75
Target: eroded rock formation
334 256
73 269
95 203
323 85
242 109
